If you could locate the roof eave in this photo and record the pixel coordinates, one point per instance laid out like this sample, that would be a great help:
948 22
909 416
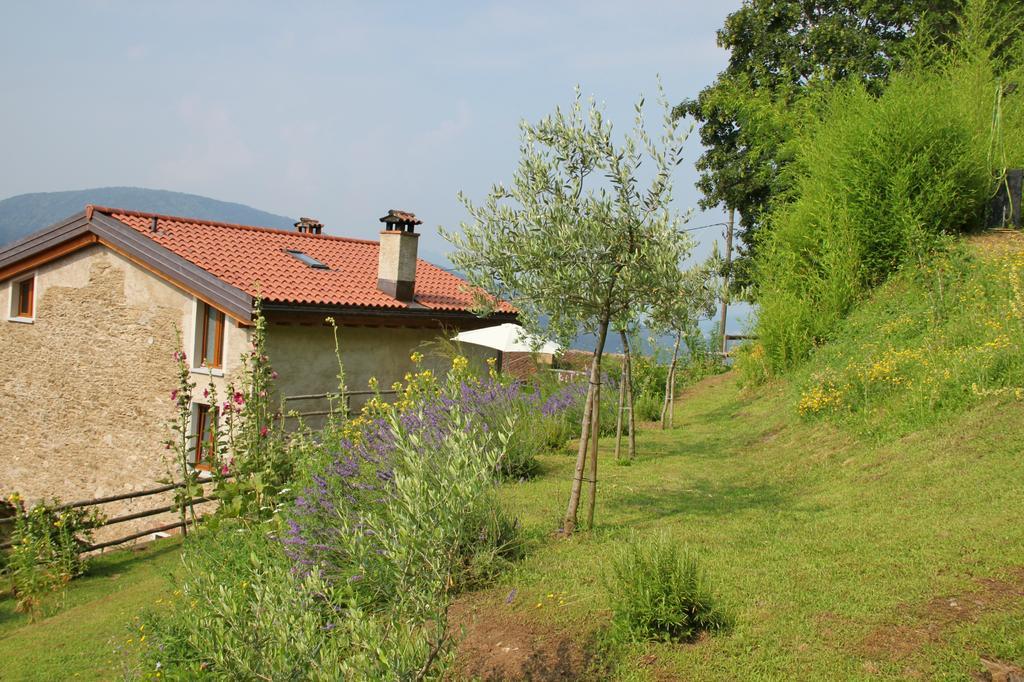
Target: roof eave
30 252
419 313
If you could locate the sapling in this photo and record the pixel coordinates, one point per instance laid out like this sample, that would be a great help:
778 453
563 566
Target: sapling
576 242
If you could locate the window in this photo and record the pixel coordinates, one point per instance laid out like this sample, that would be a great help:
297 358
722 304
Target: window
205 421
307 259
210 337
26 291
23 299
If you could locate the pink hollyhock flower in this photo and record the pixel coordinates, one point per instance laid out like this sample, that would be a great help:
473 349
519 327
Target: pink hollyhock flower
264 431
274 374
174 395
238 398
223 469
206 393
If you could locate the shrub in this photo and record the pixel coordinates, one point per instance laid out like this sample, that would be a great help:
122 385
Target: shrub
573 414
561 412
239 612
45 550
649 376
647 406
658 592
876 184
410 508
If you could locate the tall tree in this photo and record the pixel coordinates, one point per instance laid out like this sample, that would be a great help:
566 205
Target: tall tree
579 238
781 51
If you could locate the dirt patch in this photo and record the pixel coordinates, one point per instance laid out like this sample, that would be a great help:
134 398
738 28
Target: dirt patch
997 243
933 620
499 643
998 671
767 436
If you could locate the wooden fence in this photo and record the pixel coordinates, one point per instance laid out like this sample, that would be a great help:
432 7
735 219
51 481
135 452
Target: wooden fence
734 337
136 494
325 396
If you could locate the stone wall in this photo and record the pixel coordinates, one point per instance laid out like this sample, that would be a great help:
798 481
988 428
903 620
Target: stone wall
85 388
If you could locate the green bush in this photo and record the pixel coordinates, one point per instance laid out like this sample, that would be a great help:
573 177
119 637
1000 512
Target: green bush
875 186
45 550
658 592
647 406
649 376
239 612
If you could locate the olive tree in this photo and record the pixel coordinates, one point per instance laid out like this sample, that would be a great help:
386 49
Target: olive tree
580 237
678 311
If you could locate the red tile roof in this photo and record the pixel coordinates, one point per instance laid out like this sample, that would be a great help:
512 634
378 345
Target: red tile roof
254 259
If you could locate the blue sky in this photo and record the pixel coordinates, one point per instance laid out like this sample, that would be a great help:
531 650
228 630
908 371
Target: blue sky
334 110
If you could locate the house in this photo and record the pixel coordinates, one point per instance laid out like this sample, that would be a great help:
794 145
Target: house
95 304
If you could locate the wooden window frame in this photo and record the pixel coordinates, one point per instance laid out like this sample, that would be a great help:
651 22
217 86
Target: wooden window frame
27 290
217 359
23 299
203 446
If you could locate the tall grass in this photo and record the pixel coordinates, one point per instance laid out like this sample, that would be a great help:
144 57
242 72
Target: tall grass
876 185
932 342
658 592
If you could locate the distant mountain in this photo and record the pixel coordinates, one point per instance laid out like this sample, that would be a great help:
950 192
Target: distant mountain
23 214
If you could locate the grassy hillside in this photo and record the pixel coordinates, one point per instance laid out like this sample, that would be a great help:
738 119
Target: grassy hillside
874 539
878 537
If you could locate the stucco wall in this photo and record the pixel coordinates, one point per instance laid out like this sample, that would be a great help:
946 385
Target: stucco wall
85 388
304 357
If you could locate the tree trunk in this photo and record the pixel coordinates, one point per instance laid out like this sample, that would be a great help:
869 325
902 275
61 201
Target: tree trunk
672 398
629 396
595 440
669 380
725 282
622 403
569 522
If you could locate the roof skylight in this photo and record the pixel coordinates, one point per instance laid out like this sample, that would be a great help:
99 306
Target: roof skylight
307 259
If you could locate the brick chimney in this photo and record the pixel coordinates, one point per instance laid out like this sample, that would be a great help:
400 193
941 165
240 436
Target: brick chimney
309 226
396 268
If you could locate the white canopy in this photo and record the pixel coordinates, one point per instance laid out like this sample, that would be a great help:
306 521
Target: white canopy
508 338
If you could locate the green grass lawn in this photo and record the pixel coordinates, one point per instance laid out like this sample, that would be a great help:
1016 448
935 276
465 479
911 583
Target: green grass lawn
838 558
882 537
78 639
